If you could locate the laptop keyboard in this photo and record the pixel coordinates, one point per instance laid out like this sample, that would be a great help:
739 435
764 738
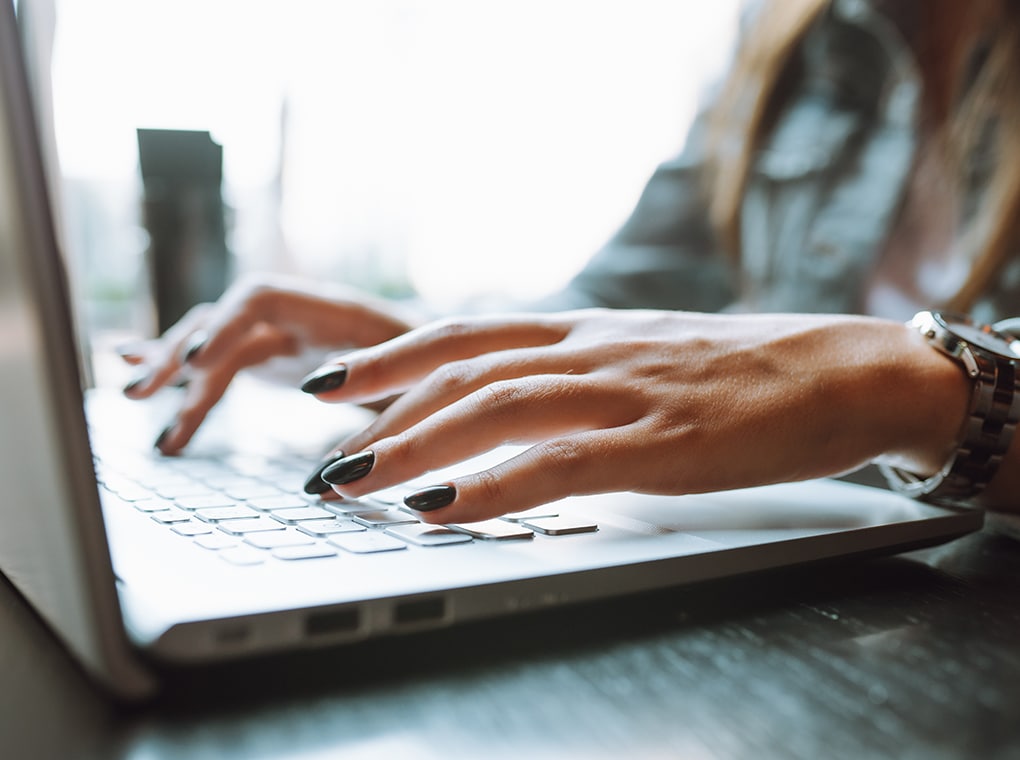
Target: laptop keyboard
251 511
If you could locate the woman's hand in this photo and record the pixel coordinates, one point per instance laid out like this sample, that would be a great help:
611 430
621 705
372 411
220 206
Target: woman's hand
256 320
658 402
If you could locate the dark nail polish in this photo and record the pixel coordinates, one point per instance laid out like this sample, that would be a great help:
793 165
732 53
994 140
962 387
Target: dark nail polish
327 378
163 436
137 383
129 351
315 484
195 344
433 497
349 468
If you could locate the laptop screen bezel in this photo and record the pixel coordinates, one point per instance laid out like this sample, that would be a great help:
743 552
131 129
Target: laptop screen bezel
69 580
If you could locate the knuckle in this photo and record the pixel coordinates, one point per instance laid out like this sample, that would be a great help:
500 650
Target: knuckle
562 457
501 397
403 447
489 488
451 377
452 329
254 296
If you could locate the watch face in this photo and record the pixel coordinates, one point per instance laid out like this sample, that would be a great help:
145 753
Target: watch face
981 337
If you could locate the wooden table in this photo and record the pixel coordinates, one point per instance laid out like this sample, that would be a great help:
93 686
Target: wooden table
907 657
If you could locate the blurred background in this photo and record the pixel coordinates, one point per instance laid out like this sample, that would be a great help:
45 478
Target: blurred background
453 150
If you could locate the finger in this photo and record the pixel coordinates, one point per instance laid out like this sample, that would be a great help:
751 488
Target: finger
397 364
456 380
162 356
583 463
132 353
313 318
208 385
515 411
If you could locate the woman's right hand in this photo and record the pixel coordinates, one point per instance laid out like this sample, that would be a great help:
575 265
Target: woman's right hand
258 318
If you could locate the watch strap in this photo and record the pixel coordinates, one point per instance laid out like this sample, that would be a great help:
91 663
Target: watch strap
986 436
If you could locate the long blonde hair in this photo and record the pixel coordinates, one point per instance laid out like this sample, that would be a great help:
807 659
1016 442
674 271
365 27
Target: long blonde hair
959 106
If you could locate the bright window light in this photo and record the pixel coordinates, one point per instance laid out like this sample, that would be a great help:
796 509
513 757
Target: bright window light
454 147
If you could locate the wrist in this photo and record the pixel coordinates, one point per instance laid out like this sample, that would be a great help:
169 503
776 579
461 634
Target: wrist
933 398
988 360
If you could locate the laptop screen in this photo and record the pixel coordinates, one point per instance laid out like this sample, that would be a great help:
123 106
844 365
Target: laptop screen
52 543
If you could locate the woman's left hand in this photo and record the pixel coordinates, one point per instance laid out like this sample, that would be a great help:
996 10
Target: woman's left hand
649 401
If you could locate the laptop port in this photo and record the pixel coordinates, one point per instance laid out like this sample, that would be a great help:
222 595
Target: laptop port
332 622
232 635
419 611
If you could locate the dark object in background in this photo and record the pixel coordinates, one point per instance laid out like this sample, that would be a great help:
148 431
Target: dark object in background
183 211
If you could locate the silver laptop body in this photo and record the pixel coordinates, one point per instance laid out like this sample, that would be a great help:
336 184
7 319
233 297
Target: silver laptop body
128 594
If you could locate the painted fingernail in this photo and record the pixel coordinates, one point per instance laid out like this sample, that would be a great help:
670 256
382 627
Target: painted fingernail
195 344
349 468
315 484
327 378
137 383
129 353
163 436
433 497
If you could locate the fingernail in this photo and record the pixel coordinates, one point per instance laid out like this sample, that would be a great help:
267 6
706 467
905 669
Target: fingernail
433 497
129 353
137 383
315 484
327 378
349 468
163 436
195 344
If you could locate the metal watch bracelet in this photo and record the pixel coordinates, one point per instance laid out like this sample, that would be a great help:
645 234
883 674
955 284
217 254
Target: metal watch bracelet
986 436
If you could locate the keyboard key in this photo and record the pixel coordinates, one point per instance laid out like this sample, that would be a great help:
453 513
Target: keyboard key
130 492
320 528
530 514
220 514
318 551
205 501
252 490
382 518
243 555
152 505
251 525
368 542
215 541
300 514
154 479
268 503
191 529
171 516
350 507
182 490
392 497
560 526
428 535
276 539
494 530
251 465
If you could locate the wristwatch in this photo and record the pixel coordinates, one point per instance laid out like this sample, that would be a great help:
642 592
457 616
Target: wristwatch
990 355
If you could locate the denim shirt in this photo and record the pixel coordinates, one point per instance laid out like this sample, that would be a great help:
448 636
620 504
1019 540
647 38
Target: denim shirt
824 191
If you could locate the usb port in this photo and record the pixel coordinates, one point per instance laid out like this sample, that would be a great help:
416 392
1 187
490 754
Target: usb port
332 622
419 611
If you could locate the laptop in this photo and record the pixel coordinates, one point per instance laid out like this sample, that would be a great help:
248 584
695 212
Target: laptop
141 563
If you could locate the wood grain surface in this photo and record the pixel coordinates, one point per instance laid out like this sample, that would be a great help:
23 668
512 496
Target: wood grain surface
915 656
